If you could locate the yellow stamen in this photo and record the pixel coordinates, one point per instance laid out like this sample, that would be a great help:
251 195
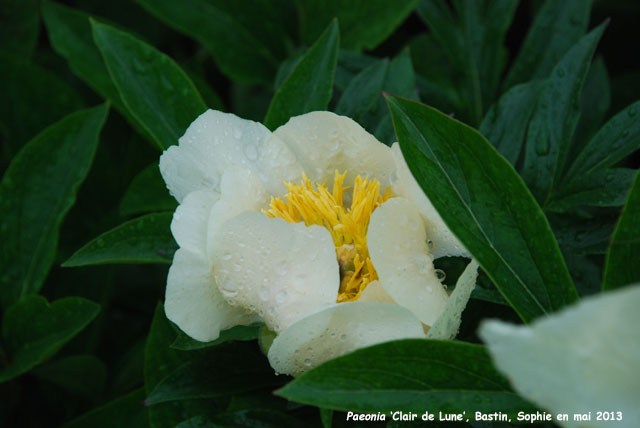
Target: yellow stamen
348 226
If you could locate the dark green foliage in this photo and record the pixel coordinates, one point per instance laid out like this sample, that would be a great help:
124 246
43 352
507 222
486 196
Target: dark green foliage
545 193
36 192
408 375
145 239
309 85
622 266
482 199
34 330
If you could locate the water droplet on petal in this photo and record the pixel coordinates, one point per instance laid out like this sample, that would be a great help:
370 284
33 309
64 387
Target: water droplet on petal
237 267
440 274
281 269
250 151
307 362
237 133
430 245
281 297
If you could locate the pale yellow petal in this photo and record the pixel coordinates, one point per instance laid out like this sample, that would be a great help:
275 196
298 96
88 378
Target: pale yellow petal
444 241
397 245
337 330
585 358
281 271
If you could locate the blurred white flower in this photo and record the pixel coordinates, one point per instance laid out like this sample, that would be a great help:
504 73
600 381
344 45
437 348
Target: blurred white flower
317 229
582 360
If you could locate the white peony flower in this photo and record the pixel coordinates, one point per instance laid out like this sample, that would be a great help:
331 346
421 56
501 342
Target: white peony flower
583 359
317 229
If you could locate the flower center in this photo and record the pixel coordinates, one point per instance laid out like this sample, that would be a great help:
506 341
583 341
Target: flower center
348 225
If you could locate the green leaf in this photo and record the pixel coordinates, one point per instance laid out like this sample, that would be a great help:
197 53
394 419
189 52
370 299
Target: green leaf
157 93
617 139
36 192
23 112
505 125
252 418
409 375
605 188
34 330
145 239
160 360
582 236
381 17
555 118
240 332
556 28
362 99
246 39
594 105
621 266
473 41
71 37
484 202
216 372
19 24
126 411
82 375
310 84
437 81
147 193
349 65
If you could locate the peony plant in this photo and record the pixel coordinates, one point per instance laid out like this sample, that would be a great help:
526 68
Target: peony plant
317 230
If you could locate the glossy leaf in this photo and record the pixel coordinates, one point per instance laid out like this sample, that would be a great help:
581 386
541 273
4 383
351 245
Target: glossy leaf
362 99
35 194
147 193
487 206
582 236
408 375
19 24
310 83
606 188
216 372
555 118
23 111
33 330
82 375
125 411
70 35
505 125
157 93
382 17
556 28
145 239
594 106
621 266
261 418
617 139
160 360
246 39
237 333
472 38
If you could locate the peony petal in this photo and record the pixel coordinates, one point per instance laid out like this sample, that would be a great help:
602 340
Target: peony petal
193 301
191 219
216 141
398 249
282 271
324 142
444 241
337 330
375 292
585 358
241 190
447 326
